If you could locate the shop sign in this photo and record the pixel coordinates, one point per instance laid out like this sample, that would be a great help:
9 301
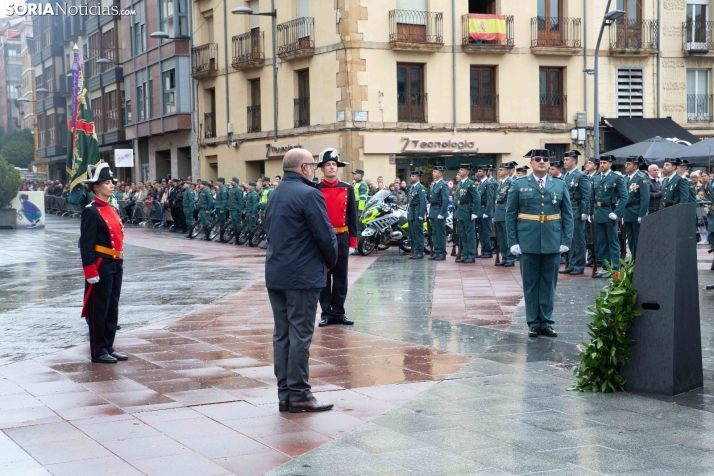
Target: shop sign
415 145
279 150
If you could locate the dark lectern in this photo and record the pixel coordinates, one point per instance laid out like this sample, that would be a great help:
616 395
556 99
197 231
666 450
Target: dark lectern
667 356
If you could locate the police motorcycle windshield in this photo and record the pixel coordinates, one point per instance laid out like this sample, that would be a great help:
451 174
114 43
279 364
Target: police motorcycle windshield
378 199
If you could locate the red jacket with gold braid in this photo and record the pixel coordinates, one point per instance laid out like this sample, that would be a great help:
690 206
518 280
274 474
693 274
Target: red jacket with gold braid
341 207
100 226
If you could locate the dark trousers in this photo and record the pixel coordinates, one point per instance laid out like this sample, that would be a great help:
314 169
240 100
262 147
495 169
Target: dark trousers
179 219
608 243
438 236
576 254
632 233
416 232
333 295
104 307
188 218
485 229
540 276
294 317
503 248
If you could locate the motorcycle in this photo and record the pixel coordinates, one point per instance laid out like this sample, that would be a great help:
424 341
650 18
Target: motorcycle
386 225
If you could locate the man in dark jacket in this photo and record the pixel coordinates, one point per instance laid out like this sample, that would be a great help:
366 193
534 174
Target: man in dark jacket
655 188
301 250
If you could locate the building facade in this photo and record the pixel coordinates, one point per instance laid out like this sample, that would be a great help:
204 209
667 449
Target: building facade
27 115
402 84
12 43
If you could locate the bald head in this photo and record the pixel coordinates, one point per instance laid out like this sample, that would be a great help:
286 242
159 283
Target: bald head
293 159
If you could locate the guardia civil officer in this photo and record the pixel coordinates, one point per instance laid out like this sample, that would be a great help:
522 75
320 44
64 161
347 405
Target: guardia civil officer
265 191
499 217
609 199
674 190
438 209
539 221
416 214
579 191
205 206
638 201
251 207
522 171
487 192
189 203
682 171
101 245
221 202
591 167
235 204
467 204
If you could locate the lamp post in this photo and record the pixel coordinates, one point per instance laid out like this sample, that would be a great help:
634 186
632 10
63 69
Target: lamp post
609 18
273 14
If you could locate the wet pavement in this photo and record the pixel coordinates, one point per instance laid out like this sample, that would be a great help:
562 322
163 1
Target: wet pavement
438 375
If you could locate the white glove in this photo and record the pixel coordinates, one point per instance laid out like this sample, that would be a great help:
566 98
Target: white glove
639 219
485 216
563 249
440 217
352 251
516 250
421 218
93 280
583 217
612 216
590 219
473 217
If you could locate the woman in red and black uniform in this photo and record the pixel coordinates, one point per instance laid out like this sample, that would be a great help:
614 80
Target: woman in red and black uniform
101 246
342 212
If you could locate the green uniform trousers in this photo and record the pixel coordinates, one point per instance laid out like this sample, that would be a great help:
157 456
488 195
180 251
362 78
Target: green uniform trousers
416 233
632 233
608 243
221 218
236 218
205 220
438 236
503 248
261 214
252 223
188 214
576 253
485 226
467 235
540 276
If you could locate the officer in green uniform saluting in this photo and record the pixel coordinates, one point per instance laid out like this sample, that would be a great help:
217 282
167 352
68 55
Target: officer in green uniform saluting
221 201
438 209
189 203
499 216
609 199
251 207
579 190
262 204
467 203
205 206
487 192
361 196
235 203
539 221
638 201
416 214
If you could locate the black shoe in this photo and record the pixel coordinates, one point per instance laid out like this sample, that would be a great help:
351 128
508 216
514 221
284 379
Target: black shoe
432 258
118 327
534 332
264 247
104 359
469 261
417 257
460 260
440 258
576 273
282 406
325 321
486 255
549 332
119 356
342 320
565 271
500 264
510 264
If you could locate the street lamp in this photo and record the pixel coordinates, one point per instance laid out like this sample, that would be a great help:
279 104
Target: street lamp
273 14
162 35
609 18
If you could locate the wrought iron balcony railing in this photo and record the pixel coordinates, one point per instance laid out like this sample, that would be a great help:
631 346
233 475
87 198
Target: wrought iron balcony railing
412 26
296 38
555 32
484 108
634 35
249 49
697 36
553 107
205 60
254 118
467 33
209 125
302 112
411 107
699 108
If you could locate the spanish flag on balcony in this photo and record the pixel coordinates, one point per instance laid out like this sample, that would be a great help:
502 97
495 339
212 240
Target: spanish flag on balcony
487 27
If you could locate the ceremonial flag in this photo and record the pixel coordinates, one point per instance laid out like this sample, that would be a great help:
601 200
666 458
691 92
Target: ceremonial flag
487 27
82 145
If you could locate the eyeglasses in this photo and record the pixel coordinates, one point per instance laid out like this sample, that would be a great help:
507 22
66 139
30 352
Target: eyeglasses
541 159
311 164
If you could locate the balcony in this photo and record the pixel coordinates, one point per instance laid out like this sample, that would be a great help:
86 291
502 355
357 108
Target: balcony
411 107
209 125
484 108
302 112
254 118
204 60
249 50
412 30
697 37
478 35
555 36
553 107
296 39
633 37
699 108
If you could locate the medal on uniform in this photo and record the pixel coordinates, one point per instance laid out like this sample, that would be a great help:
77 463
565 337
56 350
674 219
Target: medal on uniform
555 199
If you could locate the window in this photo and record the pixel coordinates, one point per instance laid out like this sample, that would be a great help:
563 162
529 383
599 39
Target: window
698 99
167 17
482 6
302 103
49 76
482 94
109 45
174 17
138 30
552 100
411 99
14 72
96 105
51 124
632 9
42 129
254 108
696 27
11 92
630 92
142 96
112 113
169 85
93 51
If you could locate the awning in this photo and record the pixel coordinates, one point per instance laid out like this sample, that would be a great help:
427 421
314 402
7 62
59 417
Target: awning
700 154
653 150
640 129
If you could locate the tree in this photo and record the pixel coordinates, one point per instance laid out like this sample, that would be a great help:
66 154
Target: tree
18 152
10 182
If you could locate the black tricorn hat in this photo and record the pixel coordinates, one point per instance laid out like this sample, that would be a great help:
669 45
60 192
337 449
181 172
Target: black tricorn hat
572 153
331 155
98 173
417 172
607 158
556 163
673 160
441 168
508 165
523 168
635 159
539 153
594 160
466 166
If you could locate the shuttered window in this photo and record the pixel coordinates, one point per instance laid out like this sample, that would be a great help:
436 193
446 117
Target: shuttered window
414 5
303 9
630 92
254 19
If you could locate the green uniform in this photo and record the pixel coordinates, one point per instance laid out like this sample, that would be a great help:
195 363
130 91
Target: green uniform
609 195
499 218
361 195
467 202
638 202
222 204
251 209
415 215
487 192
189 203
674 191
579 191
235 206
205 205
540 240
439 206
